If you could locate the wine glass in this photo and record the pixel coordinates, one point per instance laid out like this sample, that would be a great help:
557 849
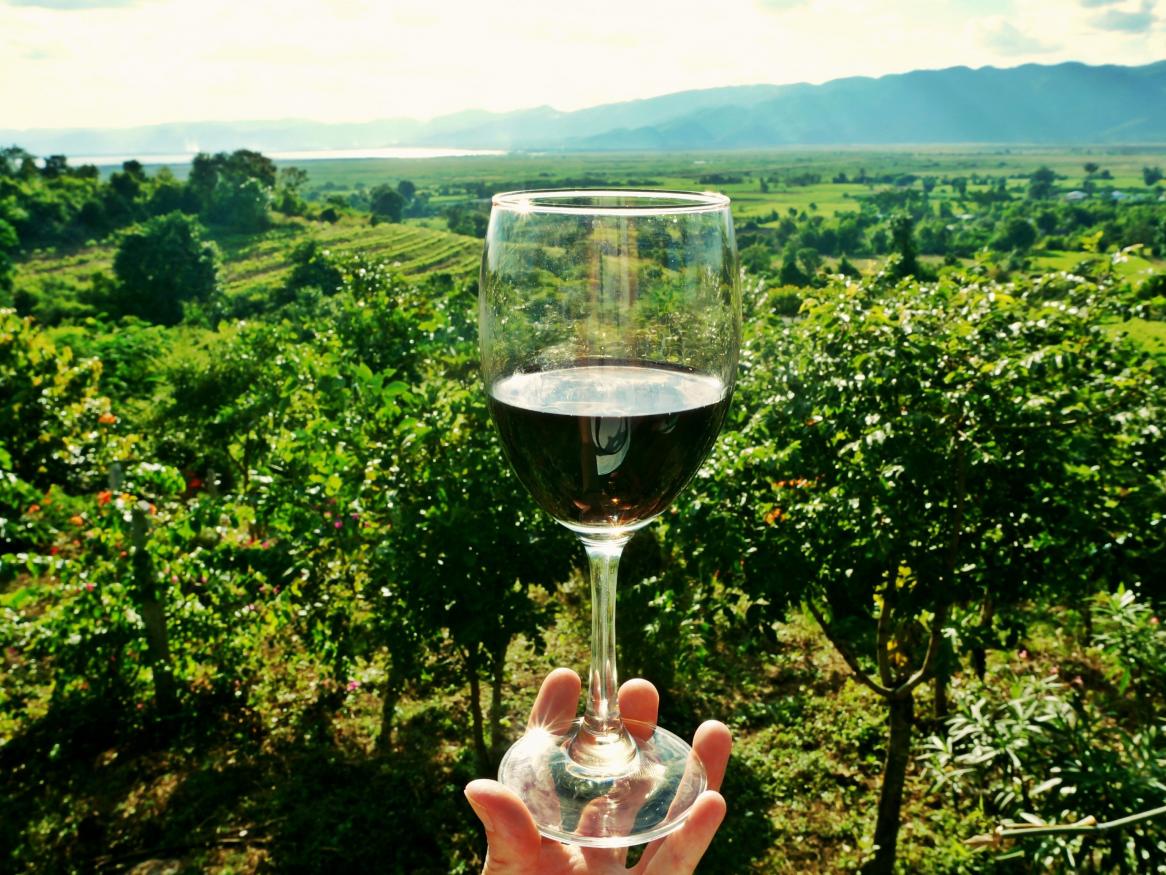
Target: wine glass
609 324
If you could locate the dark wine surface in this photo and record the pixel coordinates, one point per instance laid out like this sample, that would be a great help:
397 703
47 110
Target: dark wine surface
607 445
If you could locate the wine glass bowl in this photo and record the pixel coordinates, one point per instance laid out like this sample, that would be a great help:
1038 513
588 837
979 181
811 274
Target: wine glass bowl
609 326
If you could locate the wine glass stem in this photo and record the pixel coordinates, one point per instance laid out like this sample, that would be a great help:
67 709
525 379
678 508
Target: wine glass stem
601 717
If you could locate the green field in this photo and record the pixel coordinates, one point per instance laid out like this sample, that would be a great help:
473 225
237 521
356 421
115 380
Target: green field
685 171
258 263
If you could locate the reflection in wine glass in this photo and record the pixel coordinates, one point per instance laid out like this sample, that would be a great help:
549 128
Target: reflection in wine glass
611 437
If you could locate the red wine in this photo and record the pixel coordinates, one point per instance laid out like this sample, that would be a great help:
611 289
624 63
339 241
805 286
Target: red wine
607 445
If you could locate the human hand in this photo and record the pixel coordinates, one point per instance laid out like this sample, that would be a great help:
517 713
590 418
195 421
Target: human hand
514 844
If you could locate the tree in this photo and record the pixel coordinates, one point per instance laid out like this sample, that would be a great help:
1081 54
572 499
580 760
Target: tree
248 164
240 204
467 220
12 160
288 199
1017 235
790 274
233 189
756 258
314 267
8 246
937 447
810 260
903 244
50 404
406 189
1041 183
846 268
162 265
55 166
470 549
387 203
1151 175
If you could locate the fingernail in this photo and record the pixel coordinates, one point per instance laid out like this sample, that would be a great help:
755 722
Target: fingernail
483 816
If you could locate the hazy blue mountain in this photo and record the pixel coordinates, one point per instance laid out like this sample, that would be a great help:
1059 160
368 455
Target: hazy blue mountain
1063 103
1066 103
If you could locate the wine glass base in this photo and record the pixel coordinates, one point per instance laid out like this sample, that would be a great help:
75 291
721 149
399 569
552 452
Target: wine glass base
645 800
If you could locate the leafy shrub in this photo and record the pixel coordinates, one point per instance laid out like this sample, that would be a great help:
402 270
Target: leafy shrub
1052 753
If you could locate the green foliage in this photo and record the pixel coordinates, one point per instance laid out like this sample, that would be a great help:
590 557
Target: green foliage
1129 633
313 266
756 258
240 206
943 414
55 427
1049 754
312 502
288 197
8 244
387 203
162 266
233 189
903 244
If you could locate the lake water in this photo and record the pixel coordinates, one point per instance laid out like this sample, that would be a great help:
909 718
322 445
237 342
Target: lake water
304 155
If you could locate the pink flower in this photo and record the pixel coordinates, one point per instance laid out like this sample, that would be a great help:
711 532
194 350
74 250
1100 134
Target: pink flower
337 524
90 586
353 685
1023 654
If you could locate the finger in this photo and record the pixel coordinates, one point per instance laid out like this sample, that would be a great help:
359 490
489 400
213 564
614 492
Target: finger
557 700
713 743
681 851
711 746
639 704
613 815
512 837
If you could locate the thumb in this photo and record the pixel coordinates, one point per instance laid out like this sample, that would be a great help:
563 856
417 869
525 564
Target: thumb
513 839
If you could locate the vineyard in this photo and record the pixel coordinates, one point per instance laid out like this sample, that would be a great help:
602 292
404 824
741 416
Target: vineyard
257 265
270 596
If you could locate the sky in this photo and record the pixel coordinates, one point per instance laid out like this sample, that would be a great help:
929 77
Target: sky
122 63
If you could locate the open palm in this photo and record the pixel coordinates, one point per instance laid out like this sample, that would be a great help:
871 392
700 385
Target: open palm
515 846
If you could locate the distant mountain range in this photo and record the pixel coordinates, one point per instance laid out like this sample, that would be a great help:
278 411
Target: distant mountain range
1067 103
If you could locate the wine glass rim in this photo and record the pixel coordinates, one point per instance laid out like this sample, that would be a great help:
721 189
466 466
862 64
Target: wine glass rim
610 201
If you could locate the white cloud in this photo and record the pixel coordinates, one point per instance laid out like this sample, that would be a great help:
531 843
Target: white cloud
999 35
1125 21
333 60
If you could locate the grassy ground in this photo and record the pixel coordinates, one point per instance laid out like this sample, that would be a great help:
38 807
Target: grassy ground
1150 334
